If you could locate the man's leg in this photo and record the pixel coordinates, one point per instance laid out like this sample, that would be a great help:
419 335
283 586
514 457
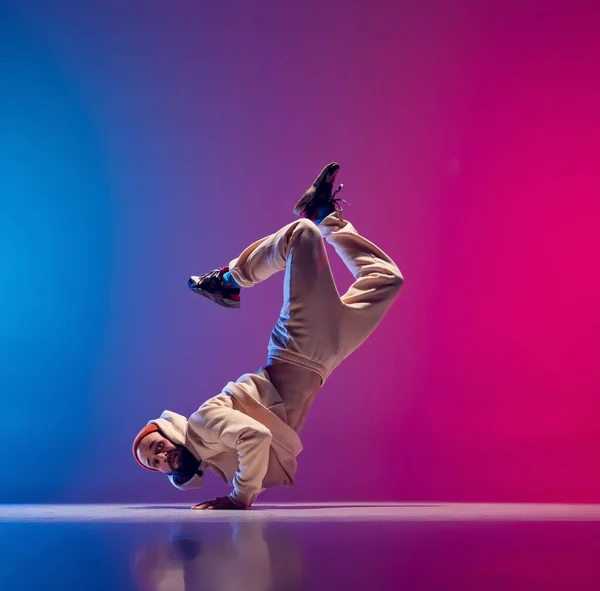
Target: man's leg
377 283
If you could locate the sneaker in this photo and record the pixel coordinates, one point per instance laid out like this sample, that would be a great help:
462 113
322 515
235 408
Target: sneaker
319 194
211 286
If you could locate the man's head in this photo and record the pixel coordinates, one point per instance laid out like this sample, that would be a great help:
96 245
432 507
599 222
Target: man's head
154 451
157 452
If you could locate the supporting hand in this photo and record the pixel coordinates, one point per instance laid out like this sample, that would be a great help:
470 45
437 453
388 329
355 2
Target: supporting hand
218 503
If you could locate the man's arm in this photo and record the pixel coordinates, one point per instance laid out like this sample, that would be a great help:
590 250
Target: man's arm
216 423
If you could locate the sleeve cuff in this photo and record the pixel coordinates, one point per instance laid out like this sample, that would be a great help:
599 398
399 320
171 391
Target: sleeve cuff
242 499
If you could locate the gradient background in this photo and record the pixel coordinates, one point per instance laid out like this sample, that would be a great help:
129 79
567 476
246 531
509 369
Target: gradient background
142 142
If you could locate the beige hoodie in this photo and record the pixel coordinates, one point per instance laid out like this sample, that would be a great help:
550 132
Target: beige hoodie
241 435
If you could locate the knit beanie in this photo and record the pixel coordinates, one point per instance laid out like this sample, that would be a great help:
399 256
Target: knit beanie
149 428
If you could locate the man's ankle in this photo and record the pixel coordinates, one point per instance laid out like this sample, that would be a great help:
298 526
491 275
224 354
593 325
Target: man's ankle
229 281
322 213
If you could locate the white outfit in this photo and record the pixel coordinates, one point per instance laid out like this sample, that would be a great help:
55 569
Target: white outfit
248 434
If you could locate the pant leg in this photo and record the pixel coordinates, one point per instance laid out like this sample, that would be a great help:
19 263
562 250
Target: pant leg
377 283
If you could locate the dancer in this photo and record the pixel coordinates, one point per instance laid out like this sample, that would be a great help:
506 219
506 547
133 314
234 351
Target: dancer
248 434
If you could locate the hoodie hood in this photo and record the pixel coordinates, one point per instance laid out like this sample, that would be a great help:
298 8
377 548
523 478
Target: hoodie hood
174 427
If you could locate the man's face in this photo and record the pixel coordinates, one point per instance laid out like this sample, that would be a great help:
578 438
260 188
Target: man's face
156 451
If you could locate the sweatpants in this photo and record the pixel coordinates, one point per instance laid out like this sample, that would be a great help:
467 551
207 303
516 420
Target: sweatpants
317 329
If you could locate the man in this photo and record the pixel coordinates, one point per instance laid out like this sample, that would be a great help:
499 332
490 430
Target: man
248 434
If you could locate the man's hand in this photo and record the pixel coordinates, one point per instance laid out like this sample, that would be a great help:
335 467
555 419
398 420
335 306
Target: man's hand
218 503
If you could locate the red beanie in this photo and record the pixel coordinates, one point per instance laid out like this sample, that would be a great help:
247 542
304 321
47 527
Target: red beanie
150 428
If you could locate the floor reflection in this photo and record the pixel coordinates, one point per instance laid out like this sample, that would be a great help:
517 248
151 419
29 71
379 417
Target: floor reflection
260 554
233 556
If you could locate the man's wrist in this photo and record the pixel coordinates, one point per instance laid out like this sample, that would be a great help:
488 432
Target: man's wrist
234 498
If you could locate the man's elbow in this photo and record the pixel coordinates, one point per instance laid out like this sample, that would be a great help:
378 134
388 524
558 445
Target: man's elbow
256 434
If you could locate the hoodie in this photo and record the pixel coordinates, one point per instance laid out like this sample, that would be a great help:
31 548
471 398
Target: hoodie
241 435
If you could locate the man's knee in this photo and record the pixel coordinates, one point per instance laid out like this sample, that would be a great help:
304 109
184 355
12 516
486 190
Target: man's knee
307 229
397 278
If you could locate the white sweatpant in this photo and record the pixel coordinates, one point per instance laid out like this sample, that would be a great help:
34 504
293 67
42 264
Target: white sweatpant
317 329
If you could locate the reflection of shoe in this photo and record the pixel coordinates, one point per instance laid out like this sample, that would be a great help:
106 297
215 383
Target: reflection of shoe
211 286
318 198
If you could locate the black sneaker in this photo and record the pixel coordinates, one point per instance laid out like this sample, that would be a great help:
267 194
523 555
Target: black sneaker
319 194
211 286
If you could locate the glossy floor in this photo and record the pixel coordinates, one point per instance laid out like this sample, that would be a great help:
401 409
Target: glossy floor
300 547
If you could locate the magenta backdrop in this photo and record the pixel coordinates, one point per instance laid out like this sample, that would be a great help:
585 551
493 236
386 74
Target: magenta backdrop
468 137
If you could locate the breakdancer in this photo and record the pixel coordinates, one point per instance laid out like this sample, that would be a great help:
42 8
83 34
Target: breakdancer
248 434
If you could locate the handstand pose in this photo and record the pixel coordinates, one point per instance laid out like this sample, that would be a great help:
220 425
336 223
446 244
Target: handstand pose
248 434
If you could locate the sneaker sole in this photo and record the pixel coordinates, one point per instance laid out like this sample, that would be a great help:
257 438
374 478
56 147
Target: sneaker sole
305 200
217 299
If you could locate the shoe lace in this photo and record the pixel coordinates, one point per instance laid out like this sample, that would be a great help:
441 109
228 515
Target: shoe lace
336 203
209 278
336 200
